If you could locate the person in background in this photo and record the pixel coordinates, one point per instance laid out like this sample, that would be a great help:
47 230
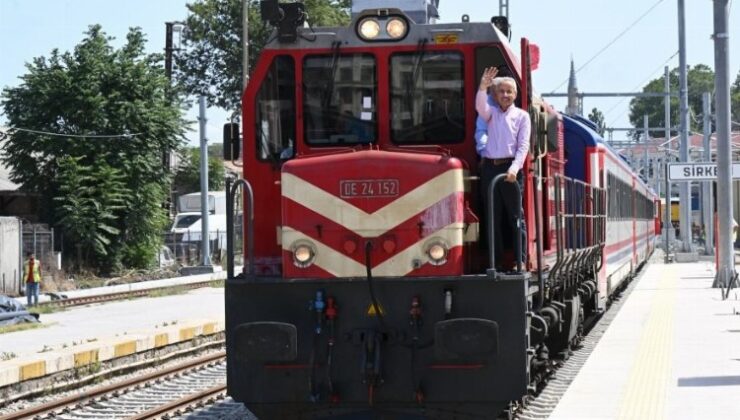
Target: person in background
32 277
503 150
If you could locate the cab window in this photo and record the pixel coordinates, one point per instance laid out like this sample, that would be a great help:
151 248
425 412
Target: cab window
339 99
427 97
275 112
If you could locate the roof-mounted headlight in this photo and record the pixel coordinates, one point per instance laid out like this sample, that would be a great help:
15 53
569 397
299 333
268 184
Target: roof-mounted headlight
396 28
369 29
382 26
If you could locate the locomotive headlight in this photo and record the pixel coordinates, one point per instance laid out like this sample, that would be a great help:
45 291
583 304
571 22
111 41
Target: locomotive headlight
396 28
303 254
369 28
437 252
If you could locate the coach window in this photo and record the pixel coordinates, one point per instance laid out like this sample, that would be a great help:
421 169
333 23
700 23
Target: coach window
427 98
339 99
275 112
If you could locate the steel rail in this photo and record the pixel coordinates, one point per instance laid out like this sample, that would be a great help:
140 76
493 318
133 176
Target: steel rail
83 397
108 297
182 403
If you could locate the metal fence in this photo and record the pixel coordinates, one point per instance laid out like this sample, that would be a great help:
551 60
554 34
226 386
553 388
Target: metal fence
186 246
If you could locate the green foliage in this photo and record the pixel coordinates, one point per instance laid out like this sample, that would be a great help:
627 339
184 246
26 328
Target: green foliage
210 60
89 203
597 117
700 79
187 178
140 246
97 90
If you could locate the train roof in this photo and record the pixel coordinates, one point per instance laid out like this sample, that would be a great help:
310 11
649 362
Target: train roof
586 130
326 37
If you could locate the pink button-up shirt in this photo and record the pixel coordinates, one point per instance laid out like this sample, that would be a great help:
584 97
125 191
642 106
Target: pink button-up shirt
508 132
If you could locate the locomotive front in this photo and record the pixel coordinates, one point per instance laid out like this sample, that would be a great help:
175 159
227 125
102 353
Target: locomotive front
393 213
365 296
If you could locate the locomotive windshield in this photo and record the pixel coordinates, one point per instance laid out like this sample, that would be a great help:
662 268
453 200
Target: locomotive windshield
427 98
339 99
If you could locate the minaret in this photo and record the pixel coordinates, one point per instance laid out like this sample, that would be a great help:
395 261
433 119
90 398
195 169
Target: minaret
572 107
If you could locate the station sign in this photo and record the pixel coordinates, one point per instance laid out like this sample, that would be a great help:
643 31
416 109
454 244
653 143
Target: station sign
698 171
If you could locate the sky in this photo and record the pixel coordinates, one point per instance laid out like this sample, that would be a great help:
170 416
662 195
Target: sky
580 29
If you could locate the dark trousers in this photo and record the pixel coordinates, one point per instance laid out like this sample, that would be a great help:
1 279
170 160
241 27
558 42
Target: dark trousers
504 214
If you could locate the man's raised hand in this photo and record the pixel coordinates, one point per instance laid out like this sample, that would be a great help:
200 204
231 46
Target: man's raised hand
486 80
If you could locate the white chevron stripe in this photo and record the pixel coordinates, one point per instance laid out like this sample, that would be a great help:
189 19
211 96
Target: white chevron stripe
382 220
340 265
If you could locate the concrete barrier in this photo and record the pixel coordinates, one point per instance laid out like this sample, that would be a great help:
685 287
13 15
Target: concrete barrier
42 364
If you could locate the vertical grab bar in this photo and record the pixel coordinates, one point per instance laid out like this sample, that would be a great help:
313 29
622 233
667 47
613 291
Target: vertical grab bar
491 227
230 194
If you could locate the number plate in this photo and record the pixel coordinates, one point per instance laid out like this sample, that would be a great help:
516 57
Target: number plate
368 188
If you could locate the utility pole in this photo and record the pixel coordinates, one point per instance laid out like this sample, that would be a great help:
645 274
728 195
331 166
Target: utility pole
668 233
706 186
685 187
204 210
245 44
169 49
721 36
503 8
646 127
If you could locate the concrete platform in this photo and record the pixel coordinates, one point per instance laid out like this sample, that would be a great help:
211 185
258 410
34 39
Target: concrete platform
672 352
84 335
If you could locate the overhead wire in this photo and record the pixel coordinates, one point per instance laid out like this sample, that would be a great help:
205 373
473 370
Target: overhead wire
632 25
639 85
90 136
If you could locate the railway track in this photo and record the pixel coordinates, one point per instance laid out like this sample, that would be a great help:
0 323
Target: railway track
109 297
166 393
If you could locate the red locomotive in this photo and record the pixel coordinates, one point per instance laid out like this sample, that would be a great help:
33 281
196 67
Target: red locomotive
367 292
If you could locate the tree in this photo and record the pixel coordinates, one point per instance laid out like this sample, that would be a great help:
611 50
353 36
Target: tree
89 202
210 60
700 79
187 178
97 111
597 117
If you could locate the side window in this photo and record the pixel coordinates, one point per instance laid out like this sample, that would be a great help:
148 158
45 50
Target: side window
274 130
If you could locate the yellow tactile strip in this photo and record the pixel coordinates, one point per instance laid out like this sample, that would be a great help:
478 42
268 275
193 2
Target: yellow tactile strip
41 364
650 376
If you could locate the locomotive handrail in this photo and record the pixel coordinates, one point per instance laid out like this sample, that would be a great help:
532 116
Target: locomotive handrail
492 225
230 194
580 226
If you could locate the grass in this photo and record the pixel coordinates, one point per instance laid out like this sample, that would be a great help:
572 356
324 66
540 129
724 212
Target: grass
46 309
177 290
22 327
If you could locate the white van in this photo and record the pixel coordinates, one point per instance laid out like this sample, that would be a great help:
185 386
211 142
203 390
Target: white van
190 203
187 223
188 228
